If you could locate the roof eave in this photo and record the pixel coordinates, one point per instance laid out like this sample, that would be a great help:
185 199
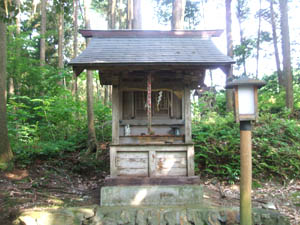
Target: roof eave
150 33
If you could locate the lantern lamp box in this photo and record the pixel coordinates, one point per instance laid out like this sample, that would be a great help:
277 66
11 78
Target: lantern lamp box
152 74
245 98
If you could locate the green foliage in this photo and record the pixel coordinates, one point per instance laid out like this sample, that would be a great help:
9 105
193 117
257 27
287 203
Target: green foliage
192 17
276 147
46 127
276 137
217 146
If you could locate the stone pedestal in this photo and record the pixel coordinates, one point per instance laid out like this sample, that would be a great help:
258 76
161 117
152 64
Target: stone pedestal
151 195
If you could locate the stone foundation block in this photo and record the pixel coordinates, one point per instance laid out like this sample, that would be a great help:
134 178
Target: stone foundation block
151 195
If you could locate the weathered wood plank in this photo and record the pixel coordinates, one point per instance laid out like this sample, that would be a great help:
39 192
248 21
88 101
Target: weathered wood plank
142 139
151 147
172 155
170 160
172 172
187 115
152 163
133 172
131 163
115 114
132 155
113 169
163 163
119 181
154 122
190 160
120 105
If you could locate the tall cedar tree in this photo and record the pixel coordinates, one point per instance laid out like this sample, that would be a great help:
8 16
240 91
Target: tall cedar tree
92 141
43 32
258 39
75 44
229 72
137 15
178 8
275 43
5 150
286 54
242 11
61 38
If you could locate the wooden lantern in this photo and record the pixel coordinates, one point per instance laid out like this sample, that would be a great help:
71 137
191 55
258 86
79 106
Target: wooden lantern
245 97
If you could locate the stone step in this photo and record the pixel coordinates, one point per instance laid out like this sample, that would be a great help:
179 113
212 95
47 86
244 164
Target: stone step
151 195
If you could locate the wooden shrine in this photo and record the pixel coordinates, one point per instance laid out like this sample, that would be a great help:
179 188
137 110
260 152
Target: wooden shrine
152 74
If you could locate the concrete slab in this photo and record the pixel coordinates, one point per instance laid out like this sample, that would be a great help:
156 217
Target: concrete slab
147 195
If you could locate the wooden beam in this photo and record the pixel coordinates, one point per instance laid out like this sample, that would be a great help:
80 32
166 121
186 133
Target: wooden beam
125 181
115 114
149 103
113 168
120 104
187 115
190 160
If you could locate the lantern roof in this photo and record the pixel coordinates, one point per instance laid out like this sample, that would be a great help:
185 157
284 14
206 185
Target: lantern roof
245 81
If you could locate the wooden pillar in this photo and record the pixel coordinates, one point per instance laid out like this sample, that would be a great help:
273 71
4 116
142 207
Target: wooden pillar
187 115
149 103
115 114
191 162
113 155
246 173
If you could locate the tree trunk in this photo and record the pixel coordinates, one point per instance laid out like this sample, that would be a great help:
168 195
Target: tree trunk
75 45
43 33
61 40
229 74
239 16
258 39
112 15
178 9
137 15
286 54
92 141
275 43
5 151
129 14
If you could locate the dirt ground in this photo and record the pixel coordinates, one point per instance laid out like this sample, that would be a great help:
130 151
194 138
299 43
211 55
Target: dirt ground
47 185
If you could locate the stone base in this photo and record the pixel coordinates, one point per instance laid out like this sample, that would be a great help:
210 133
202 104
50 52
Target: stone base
161 195
192 215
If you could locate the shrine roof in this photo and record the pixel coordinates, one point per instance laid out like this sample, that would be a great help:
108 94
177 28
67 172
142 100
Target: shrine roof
137 47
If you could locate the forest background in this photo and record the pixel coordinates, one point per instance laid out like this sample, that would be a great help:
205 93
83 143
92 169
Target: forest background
50 113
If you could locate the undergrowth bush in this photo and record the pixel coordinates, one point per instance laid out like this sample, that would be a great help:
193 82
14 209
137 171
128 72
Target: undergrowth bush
49 126
276 138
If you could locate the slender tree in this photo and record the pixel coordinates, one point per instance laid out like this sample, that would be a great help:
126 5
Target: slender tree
61 38
5 150
275 43
112 14
242 13
178 8
229 74
129 14
258 39
92 141
137 15
286 54
75 44
43 32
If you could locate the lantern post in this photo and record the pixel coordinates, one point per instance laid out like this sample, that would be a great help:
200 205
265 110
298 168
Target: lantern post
246 110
